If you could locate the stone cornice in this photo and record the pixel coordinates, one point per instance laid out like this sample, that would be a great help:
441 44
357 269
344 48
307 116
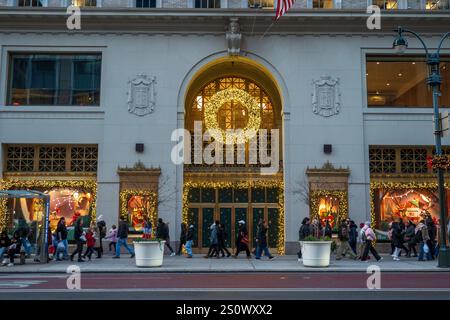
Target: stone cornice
214 21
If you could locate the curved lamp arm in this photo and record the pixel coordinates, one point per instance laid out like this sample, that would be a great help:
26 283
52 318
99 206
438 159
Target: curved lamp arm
442 41
401 30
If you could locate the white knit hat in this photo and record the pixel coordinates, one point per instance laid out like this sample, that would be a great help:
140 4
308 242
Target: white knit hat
241 222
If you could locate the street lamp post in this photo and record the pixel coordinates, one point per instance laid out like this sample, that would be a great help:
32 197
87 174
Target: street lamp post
434 81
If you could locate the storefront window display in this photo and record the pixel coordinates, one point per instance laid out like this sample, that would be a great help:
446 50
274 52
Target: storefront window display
328 210
406 204
331 205
69 203
137 206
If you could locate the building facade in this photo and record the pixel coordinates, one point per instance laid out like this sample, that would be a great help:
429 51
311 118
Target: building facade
89 114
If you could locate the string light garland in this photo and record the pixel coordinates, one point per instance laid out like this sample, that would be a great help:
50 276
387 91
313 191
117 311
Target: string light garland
46 185
440 162
342 196
125 196
392 186
218 100
188 185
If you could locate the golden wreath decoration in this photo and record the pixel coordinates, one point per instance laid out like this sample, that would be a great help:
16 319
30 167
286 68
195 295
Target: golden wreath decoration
218 100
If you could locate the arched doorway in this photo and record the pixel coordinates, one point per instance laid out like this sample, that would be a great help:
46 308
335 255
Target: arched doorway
234 94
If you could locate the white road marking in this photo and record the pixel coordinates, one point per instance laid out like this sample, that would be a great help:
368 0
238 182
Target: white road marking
20 283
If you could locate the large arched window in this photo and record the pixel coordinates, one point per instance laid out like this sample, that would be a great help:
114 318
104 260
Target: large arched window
232 115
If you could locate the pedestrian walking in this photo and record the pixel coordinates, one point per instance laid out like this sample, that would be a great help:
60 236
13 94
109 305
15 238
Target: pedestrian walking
397 238
96 233
147 232
24 232
79 239
367 237
353 236
328 232
422 237
303 232
162 232
213 250
432 233
112 238
410 238
242 240
101 227
122 235
5 242
344 247
183 235
61 237
90 242
189 240
316 230
261 243
223 236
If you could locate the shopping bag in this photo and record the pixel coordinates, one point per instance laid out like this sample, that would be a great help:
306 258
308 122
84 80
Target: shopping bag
60 246
426 249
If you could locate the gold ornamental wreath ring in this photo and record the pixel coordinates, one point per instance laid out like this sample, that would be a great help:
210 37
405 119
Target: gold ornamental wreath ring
218 100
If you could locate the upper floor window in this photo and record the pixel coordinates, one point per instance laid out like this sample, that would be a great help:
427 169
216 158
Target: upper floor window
394 81
261 3
145 3
85 3
436 4
207 3
386 4
30 3
325 4
54 79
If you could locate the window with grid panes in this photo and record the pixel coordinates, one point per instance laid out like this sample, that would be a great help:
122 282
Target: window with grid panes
52 159
413 160
382 160
19 159
83 159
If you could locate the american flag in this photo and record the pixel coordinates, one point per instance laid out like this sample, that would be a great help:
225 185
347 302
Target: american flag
282 7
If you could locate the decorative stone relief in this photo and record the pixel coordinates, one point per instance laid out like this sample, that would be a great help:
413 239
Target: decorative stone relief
141 95
326 96
234 37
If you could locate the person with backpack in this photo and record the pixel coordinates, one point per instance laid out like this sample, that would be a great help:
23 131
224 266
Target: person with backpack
183 240
262 242
223 241
344 247
303 232
242 240
189 240
367 237
122 235
162 232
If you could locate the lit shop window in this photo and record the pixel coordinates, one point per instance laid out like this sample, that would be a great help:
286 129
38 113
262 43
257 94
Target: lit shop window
261 3
328 210
140 209
64 202
207 4
406 204
386 4
50 79
401 82
437 4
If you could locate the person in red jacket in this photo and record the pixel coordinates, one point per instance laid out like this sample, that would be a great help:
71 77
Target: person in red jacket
90 243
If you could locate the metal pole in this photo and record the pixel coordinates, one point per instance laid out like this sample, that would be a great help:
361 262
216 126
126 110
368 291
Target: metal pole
434 81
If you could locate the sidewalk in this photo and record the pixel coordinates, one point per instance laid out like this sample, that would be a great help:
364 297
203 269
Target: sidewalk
200 264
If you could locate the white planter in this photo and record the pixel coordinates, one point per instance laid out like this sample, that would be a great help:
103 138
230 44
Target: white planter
316 253
149 253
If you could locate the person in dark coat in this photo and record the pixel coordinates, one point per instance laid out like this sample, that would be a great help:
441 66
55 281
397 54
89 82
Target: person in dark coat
432 233
214 241
328 232
303 232
61 236
189 240
353 235
122 238
182 237
78 233
410 238
223 240
397 240
162 232
242 240
14 248
261 243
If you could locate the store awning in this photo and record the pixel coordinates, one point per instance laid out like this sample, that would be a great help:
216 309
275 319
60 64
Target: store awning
22 194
